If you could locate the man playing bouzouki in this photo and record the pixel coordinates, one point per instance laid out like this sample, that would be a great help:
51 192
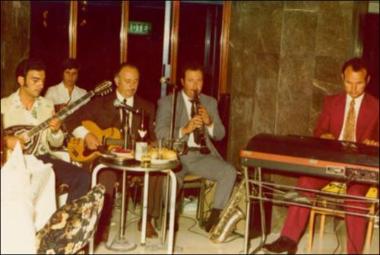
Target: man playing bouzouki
27 107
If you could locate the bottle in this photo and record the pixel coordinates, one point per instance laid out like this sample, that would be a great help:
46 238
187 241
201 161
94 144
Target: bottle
141 147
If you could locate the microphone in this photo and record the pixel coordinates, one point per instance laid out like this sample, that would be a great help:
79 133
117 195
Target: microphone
119 104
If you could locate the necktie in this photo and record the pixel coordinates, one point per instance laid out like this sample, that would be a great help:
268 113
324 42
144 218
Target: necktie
122 112
349 130
193 108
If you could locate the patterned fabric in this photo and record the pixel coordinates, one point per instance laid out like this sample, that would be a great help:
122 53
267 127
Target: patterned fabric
71 226
349 130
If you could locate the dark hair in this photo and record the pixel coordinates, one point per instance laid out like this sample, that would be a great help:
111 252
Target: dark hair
29 64
357 64
194 66
126 64
70 63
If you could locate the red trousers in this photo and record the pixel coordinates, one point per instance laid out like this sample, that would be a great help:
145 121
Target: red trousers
297 216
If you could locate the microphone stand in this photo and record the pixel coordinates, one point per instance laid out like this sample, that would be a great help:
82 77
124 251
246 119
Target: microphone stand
173 109
125 128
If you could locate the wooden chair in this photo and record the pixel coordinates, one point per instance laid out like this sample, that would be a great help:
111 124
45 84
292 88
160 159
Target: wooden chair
337 188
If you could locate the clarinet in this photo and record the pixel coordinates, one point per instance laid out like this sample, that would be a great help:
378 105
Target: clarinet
199 133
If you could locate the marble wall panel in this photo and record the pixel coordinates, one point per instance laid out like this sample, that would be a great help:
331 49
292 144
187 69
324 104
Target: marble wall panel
298 36
335 26
294 95
241 125
310 6
15 35
328 70
265 94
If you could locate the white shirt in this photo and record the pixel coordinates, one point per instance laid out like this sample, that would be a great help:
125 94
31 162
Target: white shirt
358 103
59 94
15 113
81 132
191 142
129 102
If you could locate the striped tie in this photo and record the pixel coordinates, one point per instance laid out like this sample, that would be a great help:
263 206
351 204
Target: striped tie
349 130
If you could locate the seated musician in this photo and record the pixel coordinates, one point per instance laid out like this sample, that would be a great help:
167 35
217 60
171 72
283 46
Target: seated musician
350 116
201 159
27 107
66 91
103 113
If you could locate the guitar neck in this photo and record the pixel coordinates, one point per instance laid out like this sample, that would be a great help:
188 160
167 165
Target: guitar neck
62 114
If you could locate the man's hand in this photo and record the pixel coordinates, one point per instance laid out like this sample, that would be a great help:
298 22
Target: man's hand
195 122
328 136
91 141
11 141
204 115
55 124
371 142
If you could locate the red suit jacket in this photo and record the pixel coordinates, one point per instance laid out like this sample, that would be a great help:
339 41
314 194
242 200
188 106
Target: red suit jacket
331 118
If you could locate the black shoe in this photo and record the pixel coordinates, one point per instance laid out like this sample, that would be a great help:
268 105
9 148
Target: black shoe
213 219
282 244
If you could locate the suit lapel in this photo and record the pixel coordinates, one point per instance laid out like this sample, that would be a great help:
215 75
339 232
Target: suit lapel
363 117
114 115
340 107
181 115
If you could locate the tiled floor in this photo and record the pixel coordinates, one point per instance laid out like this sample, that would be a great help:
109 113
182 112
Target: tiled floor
190 239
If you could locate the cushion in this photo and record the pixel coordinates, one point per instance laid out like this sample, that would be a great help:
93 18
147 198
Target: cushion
71 226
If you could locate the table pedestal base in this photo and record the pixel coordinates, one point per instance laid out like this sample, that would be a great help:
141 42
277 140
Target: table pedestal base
121 245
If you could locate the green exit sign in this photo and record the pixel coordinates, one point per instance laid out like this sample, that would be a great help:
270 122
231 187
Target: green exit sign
139 27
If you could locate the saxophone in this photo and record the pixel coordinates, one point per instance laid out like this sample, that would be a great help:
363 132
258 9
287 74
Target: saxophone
230 216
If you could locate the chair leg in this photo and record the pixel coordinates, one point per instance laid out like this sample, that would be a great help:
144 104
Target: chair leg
200 207
368 238
311 230
321 230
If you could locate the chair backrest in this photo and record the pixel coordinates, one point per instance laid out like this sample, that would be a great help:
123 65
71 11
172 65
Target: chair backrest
70 228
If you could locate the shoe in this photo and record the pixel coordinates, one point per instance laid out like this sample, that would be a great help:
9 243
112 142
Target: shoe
282 244
213 219
150 231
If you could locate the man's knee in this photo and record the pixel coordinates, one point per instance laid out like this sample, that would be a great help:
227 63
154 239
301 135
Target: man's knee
230 173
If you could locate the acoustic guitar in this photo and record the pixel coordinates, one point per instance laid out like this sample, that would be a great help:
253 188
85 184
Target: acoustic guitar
110 138
33 133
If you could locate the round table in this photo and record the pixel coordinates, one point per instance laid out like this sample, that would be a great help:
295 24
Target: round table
135 166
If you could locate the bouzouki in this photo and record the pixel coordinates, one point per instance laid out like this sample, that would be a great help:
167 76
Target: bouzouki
32 133
109 138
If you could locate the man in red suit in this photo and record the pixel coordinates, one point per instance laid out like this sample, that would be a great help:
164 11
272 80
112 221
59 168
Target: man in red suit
338 121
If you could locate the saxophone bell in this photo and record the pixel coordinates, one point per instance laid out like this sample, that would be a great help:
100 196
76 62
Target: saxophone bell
230 216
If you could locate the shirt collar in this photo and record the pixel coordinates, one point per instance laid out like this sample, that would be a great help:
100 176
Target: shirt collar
358 100
130 100
16 101
186 97
62 85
